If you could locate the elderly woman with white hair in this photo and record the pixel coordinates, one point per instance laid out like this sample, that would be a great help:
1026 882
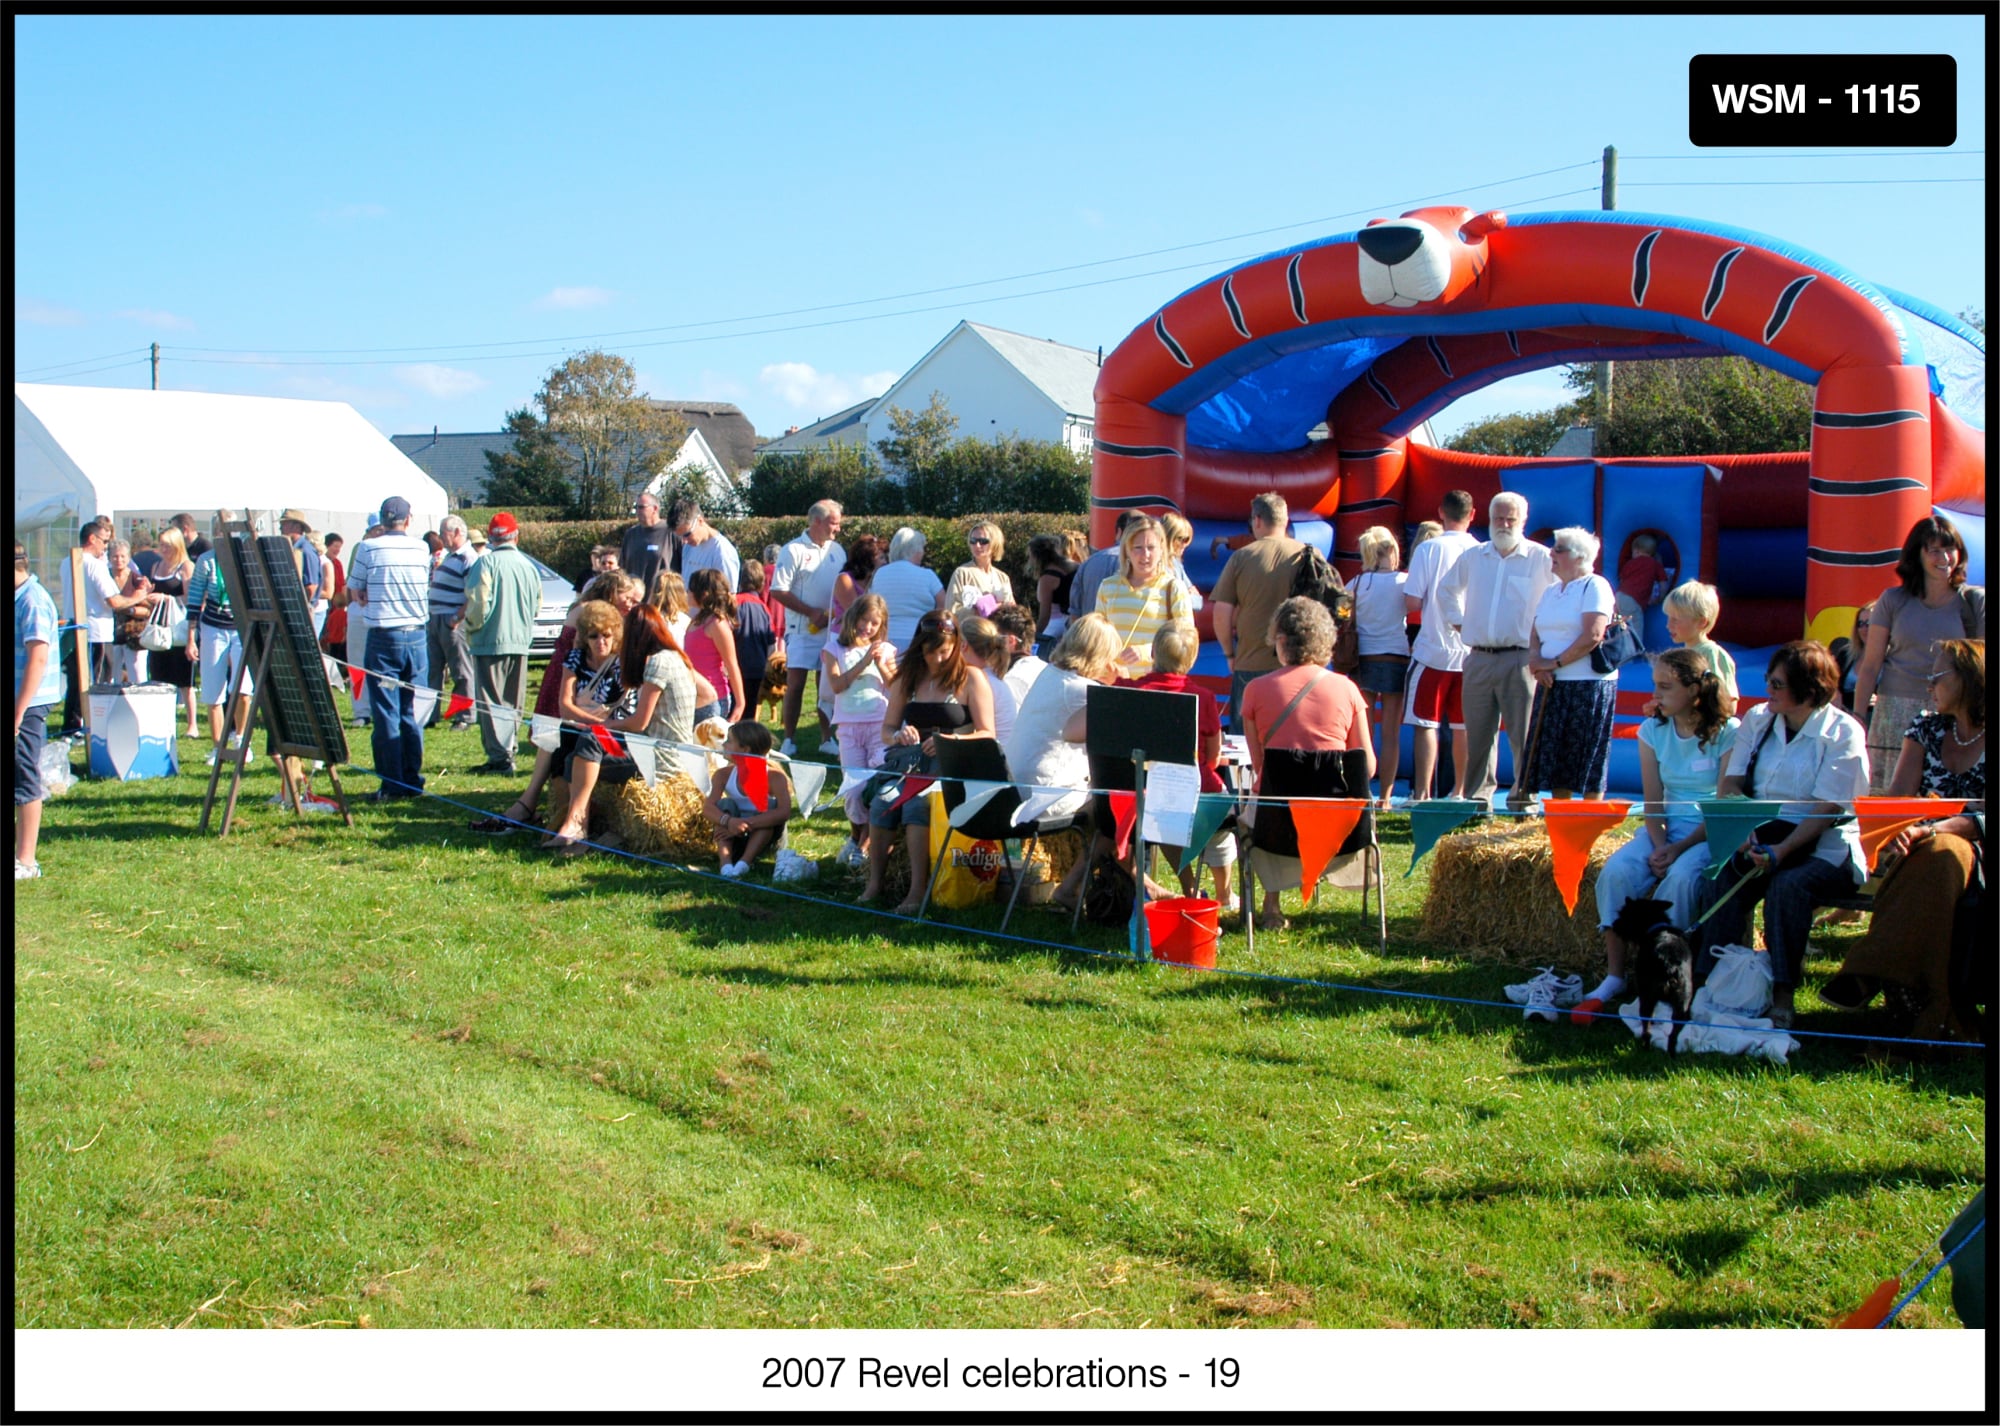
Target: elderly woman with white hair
1570 727
910 590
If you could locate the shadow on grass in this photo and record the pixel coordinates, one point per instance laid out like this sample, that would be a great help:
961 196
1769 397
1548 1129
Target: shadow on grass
1792 1187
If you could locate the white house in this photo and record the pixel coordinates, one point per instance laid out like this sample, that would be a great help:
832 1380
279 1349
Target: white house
1000 383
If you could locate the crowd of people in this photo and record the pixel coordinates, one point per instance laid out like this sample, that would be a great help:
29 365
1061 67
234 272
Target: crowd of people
674 628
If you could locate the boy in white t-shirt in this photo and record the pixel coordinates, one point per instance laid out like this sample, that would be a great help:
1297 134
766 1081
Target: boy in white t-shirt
856 666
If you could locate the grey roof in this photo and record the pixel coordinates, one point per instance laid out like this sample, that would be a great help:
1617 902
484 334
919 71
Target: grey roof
1576 441
724 426
1066 375
842 427
456 459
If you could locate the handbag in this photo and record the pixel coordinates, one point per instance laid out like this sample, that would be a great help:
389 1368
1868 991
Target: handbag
1619 646
159 634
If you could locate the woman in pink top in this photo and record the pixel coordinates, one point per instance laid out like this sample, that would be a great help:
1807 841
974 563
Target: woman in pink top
711 643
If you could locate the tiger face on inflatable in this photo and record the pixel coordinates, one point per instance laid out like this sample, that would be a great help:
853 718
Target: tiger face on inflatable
1427 256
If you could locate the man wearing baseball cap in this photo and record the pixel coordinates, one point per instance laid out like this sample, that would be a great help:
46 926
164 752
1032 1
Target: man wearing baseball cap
390 580
502 595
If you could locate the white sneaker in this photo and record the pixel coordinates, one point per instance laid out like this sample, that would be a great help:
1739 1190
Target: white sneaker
213 754
27 871
249 756
1233 905
277 800
235 741
734 870
1541 1000
789 750
850 854
313 805
1565 991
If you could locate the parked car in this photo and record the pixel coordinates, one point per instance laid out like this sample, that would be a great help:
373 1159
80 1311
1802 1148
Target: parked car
557 596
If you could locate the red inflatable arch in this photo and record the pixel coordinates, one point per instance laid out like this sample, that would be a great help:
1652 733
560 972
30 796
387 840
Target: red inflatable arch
1209 400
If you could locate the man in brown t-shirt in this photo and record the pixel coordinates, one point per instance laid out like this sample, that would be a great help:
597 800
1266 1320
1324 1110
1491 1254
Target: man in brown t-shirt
1257 579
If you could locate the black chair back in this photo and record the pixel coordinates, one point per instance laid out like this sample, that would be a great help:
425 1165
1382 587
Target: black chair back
1303 772
980 760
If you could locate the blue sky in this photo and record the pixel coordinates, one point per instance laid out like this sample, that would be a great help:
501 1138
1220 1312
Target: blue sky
420 215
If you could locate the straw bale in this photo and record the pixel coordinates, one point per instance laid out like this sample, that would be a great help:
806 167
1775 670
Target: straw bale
663 820
1493 894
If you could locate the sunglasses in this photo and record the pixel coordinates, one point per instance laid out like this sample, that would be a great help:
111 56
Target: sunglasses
1941 673
980 540
937 621
1777 685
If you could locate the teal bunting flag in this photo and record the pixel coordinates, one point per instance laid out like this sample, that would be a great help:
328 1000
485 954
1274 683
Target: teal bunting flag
1435 816
1210 810
1729 821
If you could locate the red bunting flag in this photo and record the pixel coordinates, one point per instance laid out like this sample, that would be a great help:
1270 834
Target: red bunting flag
459 704
1881 818
1574 827
608 740
1871 1312
753 780
1322 824
1124 810
355 677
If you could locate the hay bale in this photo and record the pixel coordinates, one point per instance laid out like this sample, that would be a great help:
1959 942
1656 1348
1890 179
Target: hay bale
663 820
1493 894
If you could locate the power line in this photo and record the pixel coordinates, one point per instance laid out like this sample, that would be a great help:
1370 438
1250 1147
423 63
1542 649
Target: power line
1209 265
80 361
1789 182
901 296
92 371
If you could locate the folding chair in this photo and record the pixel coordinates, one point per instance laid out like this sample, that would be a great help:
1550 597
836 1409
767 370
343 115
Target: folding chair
1299 772
982 760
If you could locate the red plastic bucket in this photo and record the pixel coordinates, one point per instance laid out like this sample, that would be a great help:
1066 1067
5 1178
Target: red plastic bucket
1184 929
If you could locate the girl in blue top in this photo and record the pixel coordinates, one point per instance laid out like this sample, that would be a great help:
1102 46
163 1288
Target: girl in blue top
1683 748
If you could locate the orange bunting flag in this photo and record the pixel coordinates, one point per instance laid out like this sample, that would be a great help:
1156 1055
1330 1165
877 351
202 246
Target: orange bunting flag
1322 824
753 779
1881 818
1124 808
1574 827
1871 1312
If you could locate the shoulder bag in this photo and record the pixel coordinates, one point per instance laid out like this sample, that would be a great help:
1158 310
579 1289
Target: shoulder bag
167 628
1619 646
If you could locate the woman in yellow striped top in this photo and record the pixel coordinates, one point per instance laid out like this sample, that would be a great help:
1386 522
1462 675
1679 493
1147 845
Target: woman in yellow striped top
1142 596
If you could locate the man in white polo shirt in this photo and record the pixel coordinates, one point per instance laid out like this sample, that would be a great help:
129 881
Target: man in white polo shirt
803 584
1490 596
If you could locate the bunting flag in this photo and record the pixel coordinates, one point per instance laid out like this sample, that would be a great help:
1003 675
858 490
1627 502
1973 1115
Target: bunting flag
505 721
977 795
1124 807
607 740
1432 818
694 762
355 678
1037 803
1211 810
1729 822
808 778
545 731
645 757
424 702
459 704
1574 827
853 779
753 779
1322 824
910 787
1881 818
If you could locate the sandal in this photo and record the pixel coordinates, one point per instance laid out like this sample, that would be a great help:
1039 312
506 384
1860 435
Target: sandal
505 822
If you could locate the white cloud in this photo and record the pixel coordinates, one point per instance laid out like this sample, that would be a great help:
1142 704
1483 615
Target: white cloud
443 382
46 314
153 317
563 299
804 388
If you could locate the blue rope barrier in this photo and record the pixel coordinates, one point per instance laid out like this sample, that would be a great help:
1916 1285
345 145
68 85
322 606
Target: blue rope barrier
1911 1295
1265 977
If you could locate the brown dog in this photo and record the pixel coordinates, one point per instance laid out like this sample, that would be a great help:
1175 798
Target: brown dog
771 697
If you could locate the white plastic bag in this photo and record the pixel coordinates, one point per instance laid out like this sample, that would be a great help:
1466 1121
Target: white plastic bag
793 867
1740 984
56 775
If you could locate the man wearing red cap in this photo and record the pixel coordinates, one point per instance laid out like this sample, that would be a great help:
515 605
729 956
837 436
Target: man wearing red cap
502 595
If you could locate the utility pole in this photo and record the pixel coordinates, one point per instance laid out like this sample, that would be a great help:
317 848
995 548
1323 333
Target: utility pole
156 366
1610 204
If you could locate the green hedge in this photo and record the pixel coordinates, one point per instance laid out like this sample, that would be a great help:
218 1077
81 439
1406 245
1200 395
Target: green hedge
565 545
480 516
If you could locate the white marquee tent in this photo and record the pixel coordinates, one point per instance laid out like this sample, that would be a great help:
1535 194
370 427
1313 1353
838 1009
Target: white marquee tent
142 457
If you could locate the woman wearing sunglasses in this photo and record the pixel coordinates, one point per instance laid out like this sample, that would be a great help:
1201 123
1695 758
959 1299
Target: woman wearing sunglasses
977 579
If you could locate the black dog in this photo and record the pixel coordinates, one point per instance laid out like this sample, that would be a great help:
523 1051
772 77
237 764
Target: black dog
1661 960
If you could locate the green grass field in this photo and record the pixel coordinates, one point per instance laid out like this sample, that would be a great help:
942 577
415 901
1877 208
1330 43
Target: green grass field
406 1076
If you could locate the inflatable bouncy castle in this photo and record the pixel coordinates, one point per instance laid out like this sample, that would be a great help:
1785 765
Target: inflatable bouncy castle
1211 400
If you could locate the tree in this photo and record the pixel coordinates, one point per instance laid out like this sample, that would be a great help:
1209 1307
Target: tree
534 471
1691 406
1520 433
917 438
1973 317
789 484
614 440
